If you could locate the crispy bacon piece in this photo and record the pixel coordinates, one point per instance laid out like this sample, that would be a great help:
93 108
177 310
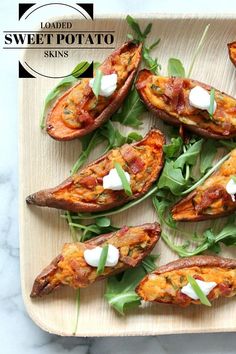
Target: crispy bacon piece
71 269
168 99
84 192
232 52
164 285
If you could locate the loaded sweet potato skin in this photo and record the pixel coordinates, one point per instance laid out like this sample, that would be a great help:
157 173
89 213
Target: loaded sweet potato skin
71 269
232 52
210 200
167 97
78 112
164 285
84 192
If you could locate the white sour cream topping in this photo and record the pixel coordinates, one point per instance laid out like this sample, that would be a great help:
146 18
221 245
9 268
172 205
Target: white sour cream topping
108 85
205 286
200 98
231 189
113 181
92 256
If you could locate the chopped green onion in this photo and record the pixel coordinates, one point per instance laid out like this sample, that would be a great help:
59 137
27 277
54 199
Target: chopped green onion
102 260
212 100
233 178
123 178
97 83
202 297
77 312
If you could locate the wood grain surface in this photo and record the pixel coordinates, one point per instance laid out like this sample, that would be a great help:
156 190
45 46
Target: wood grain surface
44 163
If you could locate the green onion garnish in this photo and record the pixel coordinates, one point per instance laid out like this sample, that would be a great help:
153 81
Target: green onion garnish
123 178
212 99
202 297
97 83
233 178
102 260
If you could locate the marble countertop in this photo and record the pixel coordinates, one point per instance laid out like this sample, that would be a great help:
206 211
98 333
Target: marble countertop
18 333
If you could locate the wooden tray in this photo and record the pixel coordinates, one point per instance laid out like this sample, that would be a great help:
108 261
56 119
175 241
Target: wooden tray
45 162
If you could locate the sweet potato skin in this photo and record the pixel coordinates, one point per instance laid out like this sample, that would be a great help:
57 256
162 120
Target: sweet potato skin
196 262
142 76
232 52
48 280
47 197
187 209
59 131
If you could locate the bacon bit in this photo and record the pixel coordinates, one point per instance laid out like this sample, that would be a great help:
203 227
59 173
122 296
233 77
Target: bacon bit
88 182
210 195
224 289
182 299
129 261
174 91
131 157
85 118
198 277
123 231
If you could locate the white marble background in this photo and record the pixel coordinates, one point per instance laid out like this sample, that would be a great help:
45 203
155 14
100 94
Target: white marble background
18 334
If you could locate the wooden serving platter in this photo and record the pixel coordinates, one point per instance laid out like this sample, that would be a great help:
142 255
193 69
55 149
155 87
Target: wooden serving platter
45 162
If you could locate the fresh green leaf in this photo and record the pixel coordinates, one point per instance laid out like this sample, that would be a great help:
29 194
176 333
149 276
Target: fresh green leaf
123 178
212 100
229 144
175 68
172 179
190 156
197 50
102 260
162 205
131 110
61 86
103 221
97 82
120 291
135 27
174 148
198 291
149 263
207 155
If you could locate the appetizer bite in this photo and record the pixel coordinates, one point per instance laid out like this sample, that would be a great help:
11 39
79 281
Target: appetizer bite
194 105
79 112
99 186
214 198
81 264
175 282
232 52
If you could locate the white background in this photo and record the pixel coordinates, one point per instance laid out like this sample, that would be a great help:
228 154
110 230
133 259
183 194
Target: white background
18 334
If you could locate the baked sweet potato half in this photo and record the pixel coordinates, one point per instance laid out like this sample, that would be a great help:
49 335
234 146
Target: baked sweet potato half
70 267
84 192
168 99
164 285
232 52
78 112
211 199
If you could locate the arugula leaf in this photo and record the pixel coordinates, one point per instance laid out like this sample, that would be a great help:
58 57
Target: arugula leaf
229 144
207 155
190 156
140 36
62 85
123 178
174 148
210 240
161 205
198 291
172 179
102 259
120 291
149 262
151 63
97 82
175 68
131 110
